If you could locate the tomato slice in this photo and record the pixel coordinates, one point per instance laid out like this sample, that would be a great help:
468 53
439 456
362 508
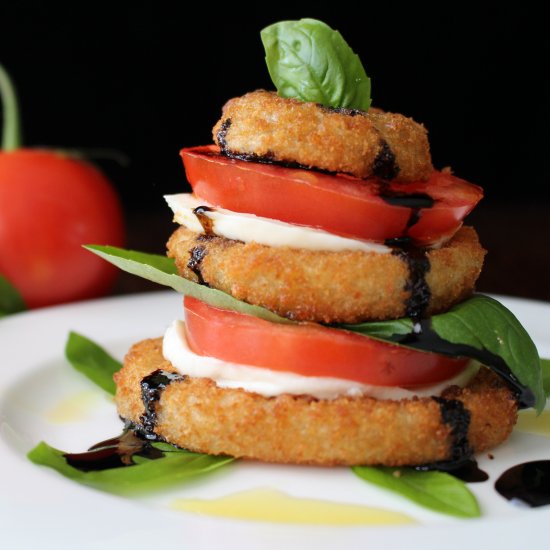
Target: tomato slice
340 204
310 349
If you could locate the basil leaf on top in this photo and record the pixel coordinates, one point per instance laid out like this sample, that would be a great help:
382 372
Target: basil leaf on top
308 60
162 270
475 326
438 491
10 299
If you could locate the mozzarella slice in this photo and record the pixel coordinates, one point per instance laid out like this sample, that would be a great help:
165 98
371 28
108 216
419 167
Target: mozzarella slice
248 228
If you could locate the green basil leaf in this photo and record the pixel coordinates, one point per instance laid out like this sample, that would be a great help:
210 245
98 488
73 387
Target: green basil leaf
482 324
145 475
10 298
485 324
383 330
308 60
437 491
162 270
545 366
92 361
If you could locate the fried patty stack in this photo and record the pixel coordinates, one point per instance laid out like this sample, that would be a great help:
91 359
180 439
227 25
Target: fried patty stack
320 286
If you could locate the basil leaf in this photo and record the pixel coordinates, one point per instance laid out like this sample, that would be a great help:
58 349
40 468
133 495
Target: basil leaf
437 491
545 366
162 270
10 298
485 324
145 475
383 330
308 60
92 361
475 325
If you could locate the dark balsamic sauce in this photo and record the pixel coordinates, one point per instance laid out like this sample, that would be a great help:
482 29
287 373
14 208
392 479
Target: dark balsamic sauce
460 465
152 387
467 470
196 256
425 338
206 222
113 453
414 257
269 158
528 483
418 266
457 417
415 201
385 164
222 134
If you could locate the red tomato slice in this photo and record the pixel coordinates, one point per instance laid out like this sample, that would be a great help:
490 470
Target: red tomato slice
309 349
339 204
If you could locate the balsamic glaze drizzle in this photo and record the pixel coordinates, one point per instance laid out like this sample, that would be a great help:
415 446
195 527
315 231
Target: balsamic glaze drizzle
418 266
528 482
113 453
425 338
206 222
196 256
222 134
457 417
152 387
467 470
385 164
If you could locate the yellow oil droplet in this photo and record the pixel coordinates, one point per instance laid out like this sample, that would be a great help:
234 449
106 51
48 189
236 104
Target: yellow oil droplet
275 506
75 408
530 423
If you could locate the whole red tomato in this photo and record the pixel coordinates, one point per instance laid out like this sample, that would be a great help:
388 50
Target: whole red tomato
50 205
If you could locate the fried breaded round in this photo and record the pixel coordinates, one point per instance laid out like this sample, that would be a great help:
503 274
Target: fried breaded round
195 414
263 126
327 287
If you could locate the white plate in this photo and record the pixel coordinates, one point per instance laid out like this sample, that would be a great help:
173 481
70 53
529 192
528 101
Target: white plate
41 509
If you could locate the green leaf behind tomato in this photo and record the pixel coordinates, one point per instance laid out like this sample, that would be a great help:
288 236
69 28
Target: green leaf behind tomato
308 60
92 361
175 466
437 491
11 300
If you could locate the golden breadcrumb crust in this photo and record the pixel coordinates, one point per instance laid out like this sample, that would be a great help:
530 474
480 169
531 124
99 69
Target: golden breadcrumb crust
262 125
197 415
328 287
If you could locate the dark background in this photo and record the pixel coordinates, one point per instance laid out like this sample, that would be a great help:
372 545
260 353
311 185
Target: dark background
146 79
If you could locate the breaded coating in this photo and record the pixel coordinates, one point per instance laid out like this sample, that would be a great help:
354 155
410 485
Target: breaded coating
262 126
327 287
195 414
